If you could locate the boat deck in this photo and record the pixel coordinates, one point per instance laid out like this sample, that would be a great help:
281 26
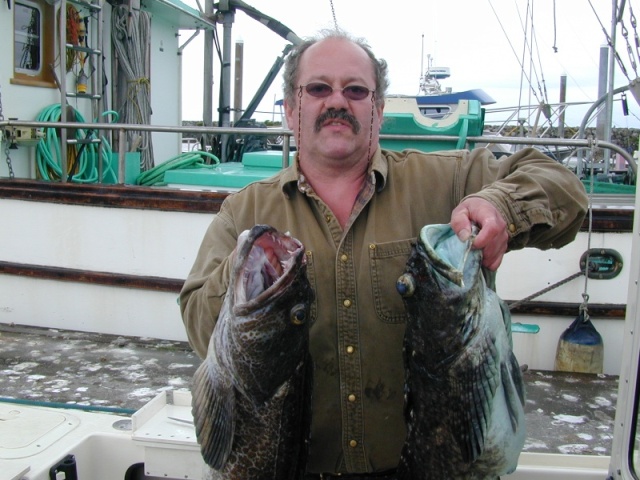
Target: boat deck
566 412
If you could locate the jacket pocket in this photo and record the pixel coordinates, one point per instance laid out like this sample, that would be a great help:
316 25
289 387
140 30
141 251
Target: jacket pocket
387 262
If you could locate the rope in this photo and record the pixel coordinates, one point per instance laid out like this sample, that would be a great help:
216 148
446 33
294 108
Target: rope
130 36
517 303
584 307
585 296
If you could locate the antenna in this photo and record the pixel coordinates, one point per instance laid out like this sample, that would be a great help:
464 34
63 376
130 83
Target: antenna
422 56
421 64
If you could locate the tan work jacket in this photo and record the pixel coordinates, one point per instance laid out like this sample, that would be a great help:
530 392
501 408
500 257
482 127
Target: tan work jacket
356 340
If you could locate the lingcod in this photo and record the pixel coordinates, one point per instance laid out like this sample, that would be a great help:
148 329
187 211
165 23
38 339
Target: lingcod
252 393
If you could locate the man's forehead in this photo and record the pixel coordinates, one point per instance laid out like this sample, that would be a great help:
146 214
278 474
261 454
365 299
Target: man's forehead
335 46
338 54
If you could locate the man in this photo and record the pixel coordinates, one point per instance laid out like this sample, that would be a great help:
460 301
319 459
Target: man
357 210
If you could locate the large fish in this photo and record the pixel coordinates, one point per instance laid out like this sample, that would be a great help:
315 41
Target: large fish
251 395
464 394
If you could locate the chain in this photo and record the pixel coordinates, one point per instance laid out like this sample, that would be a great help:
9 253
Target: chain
333 12
6 142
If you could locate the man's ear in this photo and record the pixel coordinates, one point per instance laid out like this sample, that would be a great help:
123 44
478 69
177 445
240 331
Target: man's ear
288 113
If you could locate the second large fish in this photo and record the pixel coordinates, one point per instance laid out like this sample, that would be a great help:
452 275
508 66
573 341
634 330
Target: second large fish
251 395
464 390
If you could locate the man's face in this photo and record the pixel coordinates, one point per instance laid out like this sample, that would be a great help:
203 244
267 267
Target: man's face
335 128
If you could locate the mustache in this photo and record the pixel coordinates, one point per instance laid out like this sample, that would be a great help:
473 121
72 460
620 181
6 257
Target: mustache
333 114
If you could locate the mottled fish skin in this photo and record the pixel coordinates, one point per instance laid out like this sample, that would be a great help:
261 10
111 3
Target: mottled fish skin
464 393
252 394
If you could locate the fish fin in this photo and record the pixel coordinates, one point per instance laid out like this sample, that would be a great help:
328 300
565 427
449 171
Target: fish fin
213 406
472 398
513 386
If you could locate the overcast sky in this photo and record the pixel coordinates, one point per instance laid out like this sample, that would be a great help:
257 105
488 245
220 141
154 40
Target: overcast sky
481 41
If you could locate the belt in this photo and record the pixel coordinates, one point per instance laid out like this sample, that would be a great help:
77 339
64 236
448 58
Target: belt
386 475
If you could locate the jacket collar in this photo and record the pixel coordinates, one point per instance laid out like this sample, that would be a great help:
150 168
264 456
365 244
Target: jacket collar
378 166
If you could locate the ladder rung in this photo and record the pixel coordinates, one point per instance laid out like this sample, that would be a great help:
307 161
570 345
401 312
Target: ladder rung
80 141
80 48
83 95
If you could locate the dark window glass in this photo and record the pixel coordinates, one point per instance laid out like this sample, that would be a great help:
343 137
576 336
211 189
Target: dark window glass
27 38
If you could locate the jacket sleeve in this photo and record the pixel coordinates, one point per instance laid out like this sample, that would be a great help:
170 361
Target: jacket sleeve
204 290
542 201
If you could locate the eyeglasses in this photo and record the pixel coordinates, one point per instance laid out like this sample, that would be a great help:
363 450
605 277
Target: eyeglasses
322 90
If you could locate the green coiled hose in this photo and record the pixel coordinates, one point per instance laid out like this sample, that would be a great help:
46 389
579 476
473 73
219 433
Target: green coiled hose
48 154
155 175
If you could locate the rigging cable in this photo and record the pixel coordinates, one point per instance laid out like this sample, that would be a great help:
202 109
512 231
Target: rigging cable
635 31
625 34
610 43
522 70
539 77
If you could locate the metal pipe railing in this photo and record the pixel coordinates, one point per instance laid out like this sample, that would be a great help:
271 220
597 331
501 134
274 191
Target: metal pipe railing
287 134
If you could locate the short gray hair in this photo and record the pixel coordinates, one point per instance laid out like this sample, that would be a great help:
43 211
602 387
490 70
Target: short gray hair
292 64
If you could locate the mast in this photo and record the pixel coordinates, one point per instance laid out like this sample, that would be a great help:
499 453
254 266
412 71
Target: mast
612 64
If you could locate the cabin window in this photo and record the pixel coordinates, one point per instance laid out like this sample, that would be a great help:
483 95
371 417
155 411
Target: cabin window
33 43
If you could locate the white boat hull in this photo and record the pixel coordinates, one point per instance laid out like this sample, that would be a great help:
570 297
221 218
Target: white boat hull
155 243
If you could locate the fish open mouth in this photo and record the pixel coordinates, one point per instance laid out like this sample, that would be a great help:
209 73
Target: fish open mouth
257 276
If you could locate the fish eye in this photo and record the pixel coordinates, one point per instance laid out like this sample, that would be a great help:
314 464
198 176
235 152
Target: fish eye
406 285
298 315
